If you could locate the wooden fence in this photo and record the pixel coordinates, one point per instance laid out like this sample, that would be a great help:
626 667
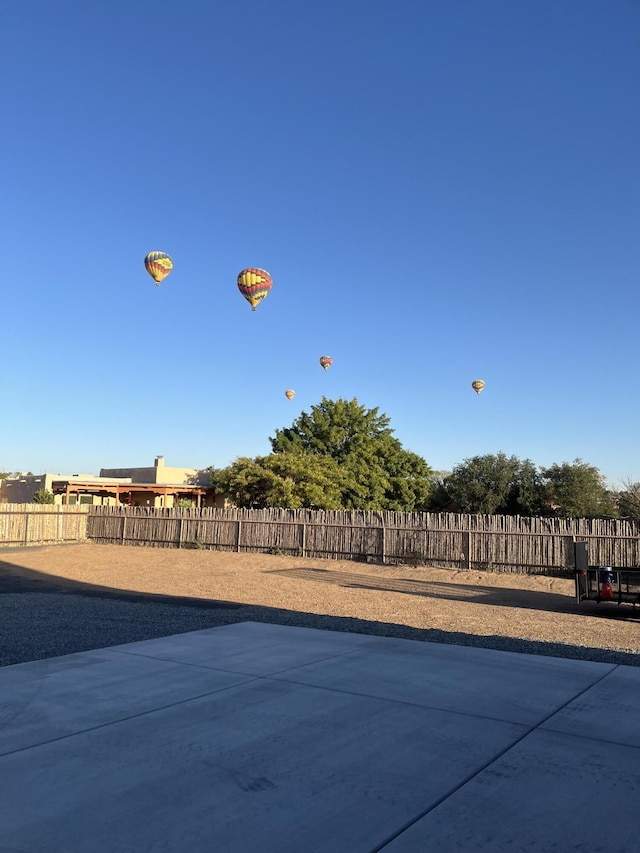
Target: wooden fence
501 543
41 524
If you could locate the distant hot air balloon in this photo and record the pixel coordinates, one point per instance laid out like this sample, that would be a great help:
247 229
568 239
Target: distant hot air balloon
158 265
477 385
254 284
325 362
289 394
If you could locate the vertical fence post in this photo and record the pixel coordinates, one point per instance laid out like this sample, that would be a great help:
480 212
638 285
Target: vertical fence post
382 544
26 528
466 548
124 529
303 544
238 536
180 533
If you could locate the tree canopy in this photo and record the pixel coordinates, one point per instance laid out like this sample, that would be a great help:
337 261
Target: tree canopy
629 500
493 484
293 480
510 486
577 490
379 473
340 455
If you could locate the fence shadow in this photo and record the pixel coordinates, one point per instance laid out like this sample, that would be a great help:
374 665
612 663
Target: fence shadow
43 616
472 593
15 579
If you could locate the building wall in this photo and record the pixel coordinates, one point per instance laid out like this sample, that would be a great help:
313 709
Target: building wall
94 500
136 475
21 489
218 501
160 473
176 475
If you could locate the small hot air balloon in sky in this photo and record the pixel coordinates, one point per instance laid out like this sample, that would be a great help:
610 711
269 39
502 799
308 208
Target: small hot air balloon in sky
289 394
254 284
158 265
477 385
325 362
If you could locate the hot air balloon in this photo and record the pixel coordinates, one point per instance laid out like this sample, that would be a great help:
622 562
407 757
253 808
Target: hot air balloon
254 284
325 362
158 265
289 394
477 385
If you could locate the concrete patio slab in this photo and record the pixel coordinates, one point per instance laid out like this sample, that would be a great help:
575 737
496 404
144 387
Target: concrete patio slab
549 792
58 697
250 648
609 711
263 737
519 689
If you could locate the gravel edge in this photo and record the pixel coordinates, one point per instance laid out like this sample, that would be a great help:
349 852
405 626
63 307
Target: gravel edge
36 626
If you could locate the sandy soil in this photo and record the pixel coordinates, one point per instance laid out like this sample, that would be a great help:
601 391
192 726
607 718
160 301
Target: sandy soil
530 607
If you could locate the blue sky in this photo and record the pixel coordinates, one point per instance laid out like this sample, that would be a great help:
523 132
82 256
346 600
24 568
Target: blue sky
442 191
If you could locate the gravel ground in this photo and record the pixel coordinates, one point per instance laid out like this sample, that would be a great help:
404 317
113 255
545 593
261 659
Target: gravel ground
58 600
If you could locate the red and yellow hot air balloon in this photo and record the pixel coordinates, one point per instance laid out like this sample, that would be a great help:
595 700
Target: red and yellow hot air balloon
158 265
477 385
325 362
289 394
254 284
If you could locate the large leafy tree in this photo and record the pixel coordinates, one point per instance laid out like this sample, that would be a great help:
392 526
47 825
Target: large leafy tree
378 473
293 480
493 484
577 490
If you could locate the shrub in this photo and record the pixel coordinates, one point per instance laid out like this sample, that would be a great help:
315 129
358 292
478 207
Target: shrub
42 496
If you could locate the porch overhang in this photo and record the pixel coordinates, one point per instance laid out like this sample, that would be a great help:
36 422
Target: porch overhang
115 490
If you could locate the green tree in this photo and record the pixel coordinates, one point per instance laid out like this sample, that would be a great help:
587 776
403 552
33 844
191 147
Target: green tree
494 484
293 480
577 490
378 473
42 496
439 497
629 500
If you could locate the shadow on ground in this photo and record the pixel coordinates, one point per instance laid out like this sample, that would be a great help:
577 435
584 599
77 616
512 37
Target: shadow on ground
473 593
43 616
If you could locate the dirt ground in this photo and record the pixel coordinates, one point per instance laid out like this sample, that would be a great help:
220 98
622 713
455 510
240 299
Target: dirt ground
529 607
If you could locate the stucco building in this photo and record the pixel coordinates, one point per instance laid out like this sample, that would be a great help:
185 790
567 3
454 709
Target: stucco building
154 486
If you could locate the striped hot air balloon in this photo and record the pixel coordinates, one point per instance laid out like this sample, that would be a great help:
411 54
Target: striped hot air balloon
158 265
254 284
325 362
